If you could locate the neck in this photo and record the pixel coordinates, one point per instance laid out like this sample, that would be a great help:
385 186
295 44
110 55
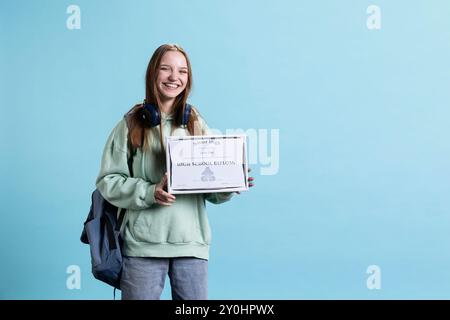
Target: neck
167 105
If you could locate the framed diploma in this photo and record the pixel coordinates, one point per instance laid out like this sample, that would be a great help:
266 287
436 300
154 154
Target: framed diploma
204 164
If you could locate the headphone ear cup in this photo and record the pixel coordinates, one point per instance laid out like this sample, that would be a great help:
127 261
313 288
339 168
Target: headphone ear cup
150 115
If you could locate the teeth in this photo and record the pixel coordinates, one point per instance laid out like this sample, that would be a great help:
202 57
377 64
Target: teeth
170 85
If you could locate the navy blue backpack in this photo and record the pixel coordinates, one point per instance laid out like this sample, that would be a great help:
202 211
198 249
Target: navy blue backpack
102 232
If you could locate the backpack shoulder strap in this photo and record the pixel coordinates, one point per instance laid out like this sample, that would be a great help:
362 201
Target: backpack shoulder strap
131 153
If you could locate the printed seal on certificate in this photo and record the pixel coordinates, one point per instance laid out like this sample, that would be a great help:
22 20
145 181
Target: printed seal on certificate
204 164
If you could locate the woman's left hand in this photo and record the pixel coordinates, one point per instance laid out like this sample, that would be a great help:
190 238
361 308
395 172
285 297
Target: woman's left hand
251 182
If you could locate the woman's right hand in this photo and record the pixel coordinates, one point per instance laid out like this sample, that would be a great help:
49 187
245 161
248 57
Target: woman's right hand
162 197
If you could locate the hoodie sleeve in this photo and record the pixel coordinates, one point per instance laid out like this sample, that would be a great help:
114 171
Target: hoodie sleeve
114 181
216 197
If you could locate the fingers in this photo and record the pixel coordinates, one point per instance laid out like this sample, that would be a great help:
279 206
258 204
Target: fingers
167 196
251 179
164 198
161 196
251 182
164 202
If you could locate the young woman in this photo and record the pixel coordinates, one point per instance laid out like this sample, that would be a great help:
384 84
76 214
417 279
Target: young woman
162 234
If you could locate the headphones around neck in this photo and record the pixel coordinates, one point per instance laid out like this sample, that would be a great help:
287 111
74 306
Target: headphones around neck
153 118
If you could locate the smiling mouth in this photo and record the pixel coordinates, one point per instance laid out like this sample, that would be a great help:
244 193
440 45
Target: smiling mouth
171 86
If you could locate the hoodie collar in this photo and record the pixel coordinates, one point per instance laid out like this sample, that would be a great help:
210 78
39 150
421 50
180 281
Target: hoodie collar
166 116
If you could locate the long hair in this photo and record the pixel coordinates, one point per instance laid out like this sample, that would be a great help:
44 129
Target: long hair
137 128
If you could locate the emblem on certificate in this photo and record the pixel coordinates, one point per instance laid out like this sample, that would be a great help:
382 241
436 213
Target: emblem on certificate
203 164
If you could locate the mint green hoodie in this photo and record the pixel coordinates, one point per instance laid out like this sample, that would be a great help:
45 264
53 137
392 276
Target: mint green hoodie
150 229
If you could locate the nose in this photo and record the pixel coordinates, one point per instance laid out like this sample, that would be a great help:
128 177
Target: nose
173 76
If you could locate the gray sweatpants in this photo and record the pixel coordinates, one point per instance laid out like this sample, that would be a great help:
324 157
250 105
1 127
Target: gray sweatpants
144 278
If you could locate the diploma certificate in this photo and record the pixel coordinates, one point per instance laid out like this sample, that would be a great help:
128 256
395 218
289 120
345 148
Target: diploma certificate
202 164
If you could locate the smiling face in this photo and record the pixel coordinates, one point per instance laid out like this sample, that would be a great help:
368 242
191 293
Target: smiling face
172 75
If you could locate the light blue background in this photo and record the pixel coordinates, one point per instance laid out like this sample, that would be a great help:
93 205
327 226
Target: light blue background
363 116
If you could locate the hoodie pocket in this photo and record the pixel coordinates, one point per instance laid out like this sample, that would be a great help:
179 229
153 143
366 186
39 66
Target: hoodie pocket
140 228
163 225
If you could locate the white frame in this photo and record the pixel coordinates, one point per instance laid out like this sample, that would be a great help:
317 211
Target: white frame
187 191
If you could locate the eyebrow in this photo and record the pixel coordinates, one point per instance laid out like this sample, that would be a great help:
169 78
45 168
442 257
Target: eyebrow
166 65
